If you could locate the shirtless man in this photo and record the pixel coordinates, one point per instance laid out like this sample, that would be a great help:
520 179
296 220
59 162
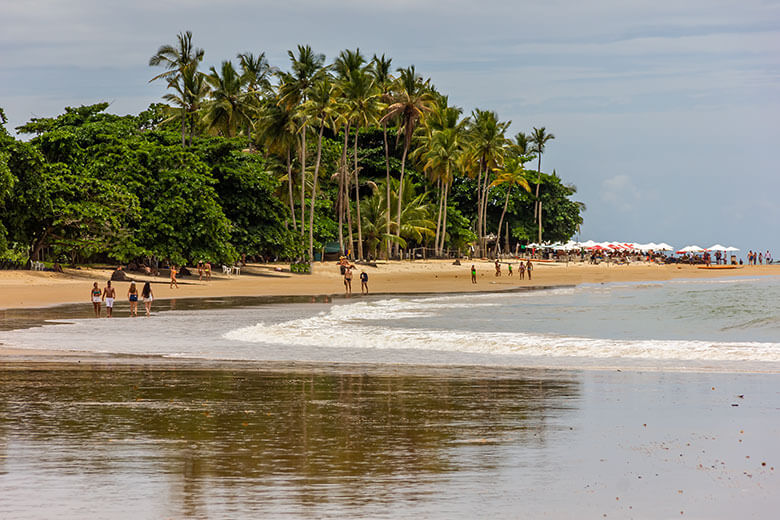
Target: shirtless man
529 267
109 293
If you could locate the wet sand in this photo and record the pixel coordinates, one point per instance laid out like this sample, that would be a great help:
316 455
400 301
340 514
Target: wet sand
226 440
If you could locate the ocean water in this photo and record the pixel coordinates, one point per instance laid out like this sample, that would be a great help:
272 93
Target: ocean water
724 324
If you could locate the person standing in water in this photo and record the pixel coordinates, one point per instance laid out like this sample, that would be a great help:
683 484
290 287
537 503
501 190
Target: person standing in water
94 296
363 282
173 277
132 296
146 294
473 274
109 294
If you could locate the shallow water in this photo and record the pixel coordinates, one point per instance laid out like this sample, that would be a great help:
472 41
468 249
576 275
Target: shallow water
168 441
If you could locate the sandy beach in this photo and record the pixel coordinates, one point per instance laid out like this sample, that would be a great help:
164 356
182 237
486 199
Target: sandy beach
30 289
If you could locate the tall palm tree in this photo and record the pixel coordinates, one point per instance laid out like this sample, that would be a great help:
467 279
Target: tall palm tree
362 101
538 140
306 67
176 59
441 160
319 109
411 102
228 109
522 144
487 147
189 92
276 128
256 75
380 68
511 174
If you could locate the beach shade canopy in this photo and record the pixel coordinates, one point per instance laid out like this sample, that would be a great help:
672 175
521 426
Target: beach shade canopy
716 247
691 249
731 249
587 244
598 247
650 246
663 246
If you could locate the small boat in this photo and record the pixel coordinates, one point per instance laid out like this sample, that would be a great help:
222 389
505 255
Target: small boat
720 267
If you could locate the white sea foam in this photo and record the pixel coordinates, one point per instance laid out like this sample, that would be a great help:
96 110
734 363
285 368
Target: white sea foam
361 326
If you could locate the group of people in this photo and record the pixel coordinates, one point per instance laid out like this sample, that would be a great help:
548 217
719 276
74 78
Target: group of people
108 295
521 270
758 258
346 271
204 268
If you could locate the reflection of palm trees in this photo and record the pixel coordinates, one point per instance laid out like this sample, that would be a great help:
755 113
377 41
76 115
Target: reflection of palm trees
241 430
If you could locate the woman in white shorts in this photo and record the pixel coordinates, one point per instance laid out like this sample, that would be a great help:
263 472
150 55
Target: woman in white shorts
146 294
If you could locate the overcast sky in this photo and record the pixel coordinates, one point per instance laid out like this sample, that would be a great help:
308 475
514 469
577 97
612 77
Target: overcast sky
666 113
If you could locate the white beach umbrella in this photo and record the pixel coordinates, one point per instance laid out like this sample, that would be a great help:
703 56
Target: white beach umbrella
691 249
716 247
731 249
588 243
663 246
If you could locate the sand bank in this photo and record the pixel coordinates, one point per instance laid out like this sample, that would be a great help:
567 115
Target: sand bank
29 289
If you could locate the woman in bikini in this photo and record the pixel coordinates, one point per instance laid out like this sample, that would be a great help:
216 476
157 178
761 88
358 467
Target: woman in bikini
146 294
132 296
95 297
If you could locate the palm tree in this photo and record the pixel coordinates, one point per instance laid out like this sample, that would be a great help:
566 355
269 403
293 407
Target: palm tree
307 66
228 109
256 75
276 128
538 140
380 68
487 149
362 101
412 100
189 91
442 158
176 60
318 108
522 144
512 174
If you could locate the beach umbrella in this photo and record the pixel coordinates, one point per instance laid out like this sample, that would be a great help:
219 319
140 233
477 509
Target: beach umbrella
663 246
587 244
716 247
691 249
731 249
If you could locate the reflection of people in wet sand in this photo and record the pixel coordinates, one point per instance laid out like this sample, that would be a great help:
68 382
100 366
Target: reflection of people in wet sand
109 294
132 296
94 296
363 282
146 294
173 277
473 274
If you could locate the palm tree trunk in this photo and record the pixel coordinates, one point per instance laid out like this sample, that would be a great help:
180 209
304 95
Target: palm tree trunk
501 220
290 189
303 179
387 169
357 198
438 217
444 219
183 128
348 206
479 211
314 195
400 189
540 222
341 190
538 181
486 191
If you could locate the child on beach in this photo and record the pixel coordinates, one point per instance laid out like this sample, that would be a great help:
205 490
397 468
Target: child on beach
363 282
109 294
146 294
132 296
473 274
94 296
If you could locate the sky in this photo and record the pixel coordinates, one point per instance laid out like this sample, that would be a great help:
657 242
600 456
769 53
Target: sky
666 113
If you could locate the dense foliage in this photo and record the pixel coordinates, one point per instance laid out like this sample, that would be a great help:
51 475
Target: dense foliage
260 162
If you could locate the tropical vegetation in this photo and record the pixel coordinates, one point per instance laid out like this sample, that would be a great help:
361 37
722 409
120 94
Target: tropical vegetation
248 159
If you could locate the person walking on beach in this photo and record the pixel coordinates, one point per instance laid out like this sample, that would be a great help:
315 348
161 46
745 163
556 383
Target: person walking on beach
173 277
207 268
94 296
498 267
363 282
529 267
473 274
510 269
521 270
200 270
146 294
132 296
348 280
109 294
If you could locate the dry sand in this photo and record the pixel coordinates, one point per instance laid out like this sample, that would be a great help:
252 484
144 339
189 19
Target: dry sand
30 289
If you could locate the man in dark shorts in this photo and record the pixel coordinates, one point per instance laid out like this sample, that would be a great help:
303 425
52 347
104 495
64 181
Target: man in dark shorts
363 282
